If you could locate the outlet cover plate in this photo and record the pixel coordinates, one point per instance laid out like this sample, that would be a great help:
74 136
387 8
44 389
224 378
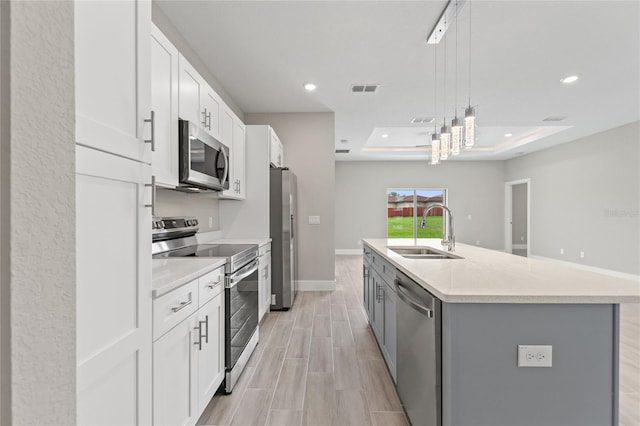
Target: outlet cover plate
535 355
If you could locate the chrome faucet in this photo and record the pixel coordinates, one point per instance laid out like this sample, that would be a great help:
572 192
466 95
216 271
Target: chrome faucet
448 239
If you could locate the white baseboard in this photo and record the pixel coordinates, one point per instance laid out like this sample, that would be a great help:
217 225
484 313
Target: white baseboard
348 252
519 246
309 285
603 271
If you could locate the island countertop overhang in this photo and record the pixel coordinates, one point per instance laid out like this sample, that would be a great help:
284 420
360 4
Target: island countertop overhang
490 276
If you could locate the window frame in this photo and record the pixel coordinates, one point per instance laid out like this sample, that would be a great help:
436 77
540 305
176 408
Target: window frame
445 202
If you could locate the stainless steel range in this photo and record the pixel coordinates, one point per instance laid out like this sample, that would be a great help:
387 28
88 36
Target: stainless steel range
175 237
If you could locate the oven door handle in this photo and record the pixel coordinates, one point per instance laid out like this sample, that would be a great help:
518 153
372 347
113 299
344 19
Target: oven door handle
234 279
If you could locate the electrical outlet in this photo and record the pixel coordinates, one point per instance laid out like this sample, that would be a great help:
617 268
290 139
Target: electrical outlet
561 251
469 217
210 221
535 355
314 220
477 242
360 242
521 237
581 255
273 299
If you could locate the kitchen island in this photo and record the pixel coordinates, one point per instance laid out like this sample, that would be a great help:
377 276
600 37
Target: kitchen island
488 304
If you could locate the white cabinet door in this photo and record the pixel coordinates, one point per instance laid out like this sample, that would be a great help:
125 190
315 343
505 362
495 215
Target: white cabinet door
190 88
264 281
112 76
239 157
211 111
113 233
211 350
175 399
275 150
234 136
164 104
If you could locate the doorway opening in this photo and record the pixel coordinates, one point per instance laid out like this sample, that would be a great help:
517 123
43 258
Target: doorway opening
517 217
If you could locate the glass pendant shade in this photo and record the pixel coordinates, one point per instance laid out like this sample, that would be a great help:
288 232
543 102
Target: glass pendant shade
435 148
445 142
469 127
456 136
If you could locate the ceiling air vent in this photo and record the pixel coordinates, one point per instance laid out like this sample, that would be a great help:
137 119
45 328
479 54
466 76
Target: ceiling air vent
364 88
342 151
422 120
555 118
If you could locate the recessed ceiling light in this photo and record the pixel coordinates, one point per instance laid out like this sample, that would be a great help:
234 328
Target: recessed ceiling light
508 135
310 87
384 136
570 79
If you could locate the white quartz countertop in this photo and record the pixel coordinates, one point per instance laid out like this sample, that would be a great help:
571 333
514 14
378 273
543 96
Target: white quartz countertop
489 276
169 274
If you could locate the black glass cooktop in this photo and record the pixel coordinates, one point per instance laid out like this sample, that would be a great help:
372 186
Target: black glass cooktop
208 250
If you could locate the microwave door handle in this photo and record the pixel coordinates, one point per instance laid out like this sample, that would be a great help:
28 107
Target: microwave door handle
226 166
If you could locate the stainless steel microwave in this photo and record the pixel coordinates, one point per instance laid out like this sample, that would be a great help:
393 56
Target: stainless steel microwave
204 161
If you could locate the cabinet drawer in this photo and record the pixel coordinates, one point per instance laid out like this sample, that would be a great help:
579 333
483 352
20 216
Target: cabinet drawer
368 253
170 309
210 285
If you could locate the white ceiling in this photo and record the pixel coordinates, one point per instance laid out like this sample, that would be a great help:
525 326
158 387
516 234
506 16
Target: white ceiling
262 52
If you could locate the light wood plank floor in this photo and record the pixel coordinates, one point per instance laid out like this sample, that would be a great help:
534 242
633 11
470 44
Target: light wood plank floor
316 365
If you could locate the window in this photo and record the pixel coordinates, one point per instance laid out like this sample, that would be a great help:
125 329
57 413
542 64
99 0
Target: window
405 208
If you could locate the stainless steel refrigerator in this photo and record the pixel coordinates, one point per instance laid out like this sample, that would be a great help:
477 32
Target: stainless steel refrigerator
282 227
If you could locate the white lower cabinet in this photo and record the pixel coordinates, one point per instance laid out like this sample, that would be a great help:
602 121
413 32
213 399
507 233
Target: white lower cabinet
210 350
175 375
188 359
264 280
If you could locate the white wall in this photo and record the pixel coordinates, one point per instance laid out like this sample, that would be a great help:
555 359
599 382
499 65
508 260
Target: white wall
585 196
308 140
474 188
38 196
204 207
5 337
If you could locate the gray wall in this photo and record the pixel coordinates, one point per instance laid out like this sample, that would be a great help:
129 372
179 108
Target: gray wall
38 189
585 196
5 337
474 188
308 140
519 214
162 22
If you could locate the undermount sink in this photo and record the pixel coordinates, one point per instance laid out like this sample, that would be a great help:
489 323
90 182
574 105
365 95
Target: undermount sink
419 252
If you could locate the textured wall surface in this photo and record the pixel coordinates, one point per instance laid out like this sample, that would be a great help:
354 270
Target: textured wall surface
585 196
308 140
474 188
42 191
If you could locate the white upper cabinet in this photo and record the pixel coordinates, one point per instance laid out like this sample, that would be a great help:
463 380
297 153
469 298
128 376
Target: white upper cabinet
199 103
164 104
234 136
276 154
112 76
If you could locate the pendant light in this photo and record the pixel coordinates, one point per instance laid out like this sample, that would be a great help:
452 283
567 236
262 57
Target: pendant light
456 126
469 112
435 137
445 131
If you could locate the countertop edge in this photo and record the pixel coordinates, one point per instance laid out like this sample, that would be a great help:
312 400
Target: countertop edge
501 298
193 272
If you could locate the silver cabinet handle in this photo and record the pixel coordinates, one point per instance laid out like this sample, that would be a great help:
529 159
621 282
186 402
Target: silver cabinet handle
152 120
209 117
211 286
152 185
204 118
200 336
206 322
181 307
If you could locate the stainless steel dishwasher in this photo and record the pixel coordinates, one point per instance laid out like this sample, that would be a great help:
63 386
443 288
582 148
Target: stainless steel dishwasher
419 375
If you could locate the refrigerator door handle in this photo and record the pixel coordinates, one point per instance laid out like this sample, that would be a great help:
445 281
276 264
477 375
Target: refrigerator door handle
292 227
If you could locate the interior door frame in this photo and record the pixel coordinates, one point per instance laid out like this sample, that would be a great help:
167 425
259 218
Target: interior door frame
508 213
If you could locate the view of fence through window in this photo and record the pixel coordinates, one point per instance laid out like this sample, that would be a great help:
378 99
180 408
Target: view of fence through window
405 208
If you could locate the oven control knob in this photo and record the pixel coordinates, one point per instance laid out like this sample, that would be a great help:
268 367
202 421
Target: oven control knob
195 222
189 222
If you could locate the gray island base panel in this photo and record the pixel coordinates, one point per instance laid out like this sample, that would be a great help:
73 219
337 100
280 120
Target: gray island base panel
491 303
483 385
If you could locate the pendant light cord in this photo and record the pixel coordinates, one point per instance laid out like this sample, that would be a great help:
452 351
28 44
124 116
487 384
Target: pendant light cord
444 102
469 52
435 88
